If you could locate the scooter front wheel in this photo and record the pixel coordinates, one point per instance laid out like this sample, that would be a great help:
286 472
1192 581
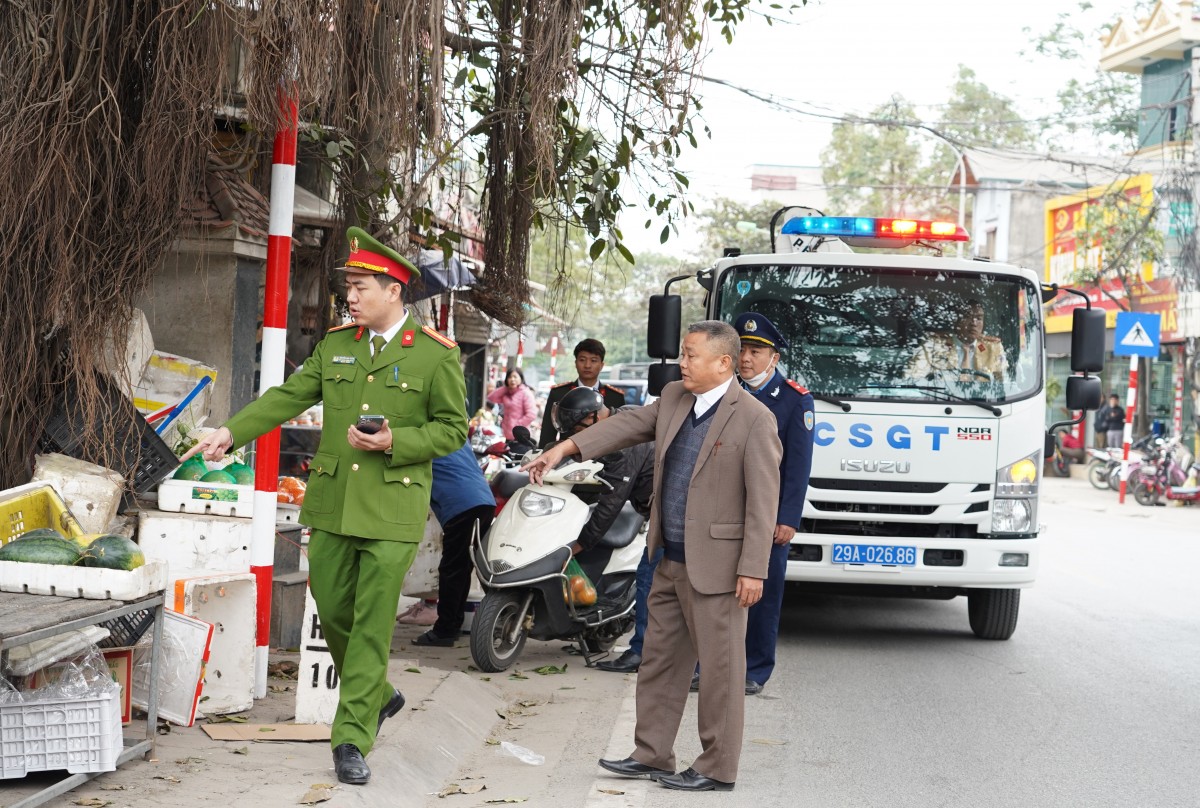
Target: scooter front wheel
497 632
1097 475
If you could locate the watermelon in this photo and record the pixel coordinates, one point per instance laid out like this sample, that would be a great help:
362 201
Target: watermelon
192 469
114 553
242 474
41 546
218 476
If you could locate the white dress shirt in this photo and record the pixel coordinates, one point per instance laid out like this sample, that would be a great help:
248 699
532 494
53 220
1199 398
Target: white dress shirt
391 332
704 401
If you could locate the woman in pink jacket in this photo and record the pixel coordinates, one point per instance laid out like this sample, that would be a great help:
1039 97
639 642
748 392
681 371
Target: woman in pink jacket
516 398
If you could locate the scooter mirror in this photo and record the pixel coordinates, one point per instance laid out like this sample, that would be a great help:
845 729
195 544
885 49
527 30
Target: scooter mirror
521 434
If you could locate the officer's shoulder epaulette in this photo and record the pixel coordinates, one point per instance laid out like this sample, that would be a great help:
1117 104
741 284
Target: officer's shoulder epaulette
798 388
439 337
611 389
564 384
341 327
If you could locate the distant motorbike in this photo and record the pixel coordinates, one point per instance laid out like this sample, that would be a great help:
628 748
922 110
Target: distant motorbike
522 563
1166 483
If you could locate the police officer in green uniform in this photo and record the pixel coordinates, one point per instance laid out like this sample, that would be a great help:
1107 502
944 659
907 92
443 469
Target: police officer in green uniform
589 361
368 491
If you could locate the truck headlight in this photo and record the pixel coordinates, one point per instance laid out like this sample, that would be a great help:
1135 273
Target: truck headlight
1020 479
1012 516
535 504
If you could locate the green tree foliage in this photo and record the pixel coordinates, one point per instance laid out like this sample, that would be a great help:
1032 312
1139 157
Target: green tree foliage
1092 102
724 222
1120 232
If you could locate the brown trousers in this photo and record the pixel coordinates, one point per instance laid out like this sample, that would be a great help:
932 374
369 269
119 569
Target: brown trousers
684 626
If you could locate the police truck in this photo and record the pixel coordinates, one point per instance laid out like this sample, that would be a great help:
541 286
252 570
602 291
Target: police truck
927 459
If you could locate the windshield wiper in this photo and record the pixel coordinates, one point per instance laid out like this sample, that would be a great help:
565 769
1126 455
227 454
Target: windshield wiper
828 399
928 388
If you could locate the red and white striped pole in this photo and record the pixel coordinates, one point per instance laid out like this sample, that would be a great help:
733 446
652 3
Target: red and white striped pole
520 351
1130 401
553 357
1177 415
274 347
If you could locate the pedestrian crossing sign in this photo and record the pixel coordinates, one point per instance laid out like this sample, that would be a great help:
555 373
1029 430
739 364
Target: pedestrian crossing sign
1137 333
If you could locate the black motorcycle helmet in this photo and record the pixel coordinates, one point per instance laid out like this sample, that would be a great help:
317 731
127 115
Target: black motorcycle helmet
575 408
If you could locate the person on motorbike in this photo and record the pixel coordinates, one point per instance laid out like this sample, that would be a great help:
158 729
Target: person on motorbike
630 472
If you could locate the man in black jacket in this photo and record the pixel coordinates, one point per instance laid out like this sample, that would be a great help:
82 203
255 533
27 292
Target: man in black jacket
1110 422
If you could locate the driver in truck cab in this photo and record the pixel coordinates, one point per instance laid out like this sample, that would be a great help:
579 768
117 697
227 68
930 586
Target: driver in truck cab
965 351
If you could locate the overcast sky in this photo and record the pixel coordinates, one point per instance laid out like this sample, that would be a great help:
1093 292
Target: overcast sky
848 56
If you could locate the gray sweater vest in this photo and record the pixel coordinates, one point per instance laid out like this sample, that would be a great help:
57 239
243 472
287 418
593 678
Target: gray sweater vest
678 464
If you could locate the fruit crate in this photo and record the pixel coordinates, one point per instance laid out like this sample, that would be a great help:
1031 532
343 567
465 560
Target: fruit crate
218 499
78 735
144 458
35 505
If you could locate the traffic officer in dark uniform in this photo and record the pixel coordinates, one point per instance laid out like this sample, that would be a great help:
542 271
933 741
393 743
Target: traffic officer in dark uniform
589 361
369 483
792 406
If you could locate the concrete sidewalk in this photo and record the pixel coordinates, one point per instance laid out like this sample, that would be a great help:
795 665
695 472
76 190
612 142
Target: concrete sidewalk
1077 491
452 712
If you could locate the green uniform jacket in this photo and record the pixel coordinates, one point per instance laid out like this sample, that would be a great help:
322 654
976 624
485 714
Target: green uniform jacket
419 387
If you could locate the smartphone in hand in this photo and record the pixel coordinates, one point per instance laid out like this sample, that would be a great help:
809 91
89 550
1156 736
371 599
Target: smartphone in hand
370 424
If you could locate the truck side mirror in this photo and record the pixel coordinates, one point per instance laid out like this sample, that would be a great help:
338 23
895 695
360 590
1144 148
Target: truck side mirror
661 375
1087 342
1083 392
662 329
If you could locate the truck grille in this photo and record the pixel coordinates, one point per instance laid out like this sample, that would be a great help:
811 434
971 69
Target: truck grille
890 486
873 508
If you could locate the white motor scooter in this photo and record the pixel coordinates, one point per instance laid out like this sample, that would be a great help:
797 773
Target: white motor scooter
522 564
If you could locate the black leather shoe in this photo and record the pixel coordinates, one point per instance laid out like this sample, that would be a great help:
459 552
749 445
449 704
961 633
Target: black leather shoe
753 688
631 768
691 780
627 662
395 704
695 688
350 766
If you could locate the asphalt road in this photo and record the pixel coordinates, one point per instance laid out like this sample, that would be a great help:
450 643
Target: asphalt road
1095 701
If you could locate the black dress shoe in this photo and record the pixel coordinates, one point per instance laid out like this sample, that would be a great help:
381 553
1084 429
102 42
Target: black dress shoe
429 638
753 688
691 780
627 662
350 766
631 768
395 704
695 687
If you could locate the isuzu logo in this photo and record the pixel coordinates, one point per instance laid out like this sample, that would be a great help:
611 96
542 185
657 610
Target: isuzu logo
878 466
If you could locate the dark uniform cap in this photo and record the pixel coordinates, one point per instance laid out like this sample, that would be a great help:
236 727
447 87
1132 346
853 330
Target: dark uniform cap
370 256
755 327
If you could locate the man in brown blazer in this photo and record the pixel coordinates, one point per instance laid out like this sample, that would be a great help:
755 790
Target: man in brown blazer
716 491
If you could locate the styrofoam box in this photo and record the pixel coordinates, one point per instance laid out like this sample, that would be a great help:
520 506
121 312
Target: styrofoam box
228 602
82 582
182 654
193 544
287 513
218 499
80 735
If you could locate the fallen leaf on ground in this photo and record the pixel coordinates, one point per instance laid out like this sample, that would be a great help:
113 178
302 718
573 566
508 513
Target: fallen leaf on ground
284 669
185 761
529 703
501 713
491 742
769 742
92 802
566 688
168 778
266 729
316 795
545 670
517 676
455 788
412 670
279 688
227 719
506 800
242 750
112 788
610 791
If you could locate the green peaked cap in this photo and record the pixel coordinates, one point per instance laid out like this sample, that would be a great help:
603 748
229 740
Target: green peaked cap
369 255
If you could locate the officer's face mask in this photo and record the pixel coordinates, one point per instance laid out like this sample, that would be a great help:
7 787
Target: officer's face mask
758 380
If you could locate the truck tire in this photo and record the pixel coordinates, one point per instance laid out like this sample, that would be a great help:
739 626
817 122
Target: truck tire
492 646
993 612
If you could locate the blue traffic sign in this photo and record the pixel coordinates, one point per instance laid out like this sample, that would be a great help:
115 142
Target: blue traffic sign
1137 334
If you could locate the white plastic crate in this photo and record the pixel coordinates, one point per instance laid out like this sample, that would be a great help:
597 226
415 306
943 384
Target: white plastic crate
93 583
228 602
79 736
218 499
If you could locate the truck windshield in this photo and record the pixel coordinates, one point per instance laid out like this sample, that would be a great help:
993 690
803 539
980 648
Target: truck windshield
884 333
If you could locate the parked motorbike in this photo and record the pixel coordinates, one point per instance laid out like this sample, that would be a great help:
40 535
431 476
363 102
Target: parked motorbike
1060 464
1165 483
522 562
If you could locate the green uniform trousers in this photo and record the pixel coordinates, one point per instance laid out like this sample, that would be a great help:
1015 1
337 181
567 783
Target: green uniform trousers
356 585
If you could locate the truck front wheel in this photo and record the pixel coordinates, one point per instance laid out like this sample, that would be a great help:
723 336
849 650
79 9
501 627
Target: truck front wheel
993 612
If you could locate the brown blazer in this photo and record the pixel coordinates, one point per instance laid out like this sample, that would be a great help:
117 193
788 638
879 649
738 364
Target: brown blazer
734 493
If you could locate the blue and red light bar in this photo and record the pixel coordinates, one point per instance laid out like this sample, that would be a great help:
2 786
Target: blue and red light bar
869 228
